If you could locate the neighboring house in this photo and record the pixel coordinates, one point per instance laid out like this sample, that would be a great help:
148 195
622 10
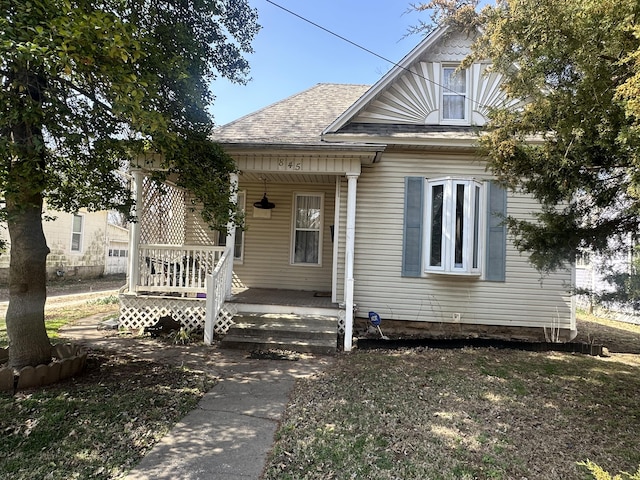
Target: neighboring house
592 283
80 245
381 203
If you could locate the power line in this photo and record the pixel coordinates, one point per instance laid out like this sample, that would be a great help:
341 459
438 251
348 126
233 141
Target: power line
334 34
361 47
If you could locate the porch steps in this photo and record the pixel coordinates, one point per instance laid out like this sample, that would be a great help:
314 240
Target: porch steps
269 331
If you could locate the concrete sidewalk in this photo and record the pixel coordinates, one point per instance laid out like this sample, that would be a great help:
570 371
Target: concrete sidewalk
230 433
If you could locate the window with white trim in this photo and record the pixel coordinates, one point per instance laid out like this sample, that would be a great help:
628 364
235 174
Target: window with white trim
76 233
454 95
306 243
454 226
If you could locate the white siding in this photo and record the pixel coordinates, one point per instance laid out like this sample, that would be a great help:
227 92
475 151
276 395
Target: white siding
267 243
524 300
197 232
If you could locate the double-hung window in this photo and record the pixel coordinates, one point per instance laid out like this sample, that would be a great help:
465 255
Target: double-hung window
454 226
307 229
76 233
454 95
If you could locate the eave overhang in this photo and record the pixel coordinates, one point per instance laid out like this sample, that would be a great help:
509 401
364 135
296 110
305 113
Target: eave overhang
368 153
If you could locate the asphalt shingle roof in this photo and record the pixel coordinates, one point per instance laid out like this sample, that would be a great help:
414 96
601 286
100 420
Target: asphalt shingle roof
299 119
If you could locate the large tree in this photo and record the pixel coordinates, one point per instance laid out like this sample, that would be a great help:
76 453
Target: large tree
86 86
574 143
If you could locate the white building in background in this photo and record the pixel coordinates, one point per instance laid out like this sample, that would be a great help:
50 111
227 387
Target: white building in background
83 245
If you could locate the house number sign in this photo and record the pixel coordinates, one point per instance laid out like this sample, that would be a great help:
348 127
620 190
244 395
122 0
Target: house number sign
291 165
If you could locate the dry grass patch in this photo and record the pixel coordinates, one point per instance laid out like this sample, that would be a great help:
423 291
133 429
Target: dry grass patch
461 414
97 425
617 337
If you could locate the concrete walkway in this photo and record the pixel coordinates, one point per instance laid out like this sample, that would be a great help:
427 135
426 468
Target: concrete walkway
230 433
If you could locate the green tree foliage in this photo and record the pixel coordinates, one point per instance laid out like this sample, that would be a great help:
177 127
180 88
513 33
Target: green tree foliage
624 283
574 142
87 86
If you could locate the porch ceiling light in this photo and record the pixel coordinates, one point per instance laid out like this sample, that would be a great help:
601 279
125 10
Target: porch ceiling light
265 204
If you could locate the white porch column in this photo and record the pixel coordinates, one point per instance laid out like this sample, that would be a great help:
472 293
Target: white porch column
134 231
231 235
350 233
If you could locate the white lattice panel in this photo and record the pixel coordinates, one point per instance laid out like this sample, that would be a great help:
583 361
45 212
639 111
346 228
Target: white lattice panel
162 214
142 311
225 318
342 316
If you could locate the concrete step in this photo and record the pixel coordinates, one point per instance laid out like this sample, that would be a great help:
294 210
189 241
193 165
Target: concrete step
308 333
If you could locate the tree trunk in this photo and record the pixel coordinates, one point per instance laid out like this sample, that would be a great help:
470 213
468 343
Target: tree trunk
28 340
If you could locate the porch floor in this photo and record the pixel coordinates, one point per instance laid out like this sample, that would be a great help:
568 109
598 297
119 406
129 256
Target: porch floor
276 296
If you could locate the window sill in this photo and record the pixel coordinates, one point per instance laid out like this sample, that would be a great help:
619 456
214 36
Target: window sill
474 275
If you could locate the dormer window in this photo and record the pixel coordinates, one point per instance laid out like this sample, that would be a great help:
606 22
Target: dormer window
454 95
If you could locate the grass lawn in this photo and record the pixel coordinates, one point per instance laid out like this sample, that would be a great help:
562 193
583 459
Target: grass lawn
57 317
465 414
408 414
98 425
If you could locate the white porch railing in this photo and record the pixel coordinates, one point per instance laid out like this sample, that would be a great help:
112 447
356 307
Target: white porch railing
176 268
218 288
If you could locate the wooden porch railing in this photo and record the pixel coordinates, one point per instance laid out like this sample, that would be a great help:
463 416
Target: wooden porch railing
218 288
176 268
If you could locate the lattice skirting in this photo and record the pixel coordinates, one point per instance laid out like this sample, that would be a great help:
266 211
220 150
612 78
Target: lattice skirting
225 318
342 317
142 311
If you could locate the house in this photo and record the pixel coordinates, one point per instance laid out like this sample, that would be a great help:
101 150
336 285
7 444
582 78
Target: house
81 245
593 280
373 198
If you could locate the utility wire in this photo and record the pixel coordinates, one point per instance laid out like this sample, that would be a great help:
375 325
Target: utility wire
361 47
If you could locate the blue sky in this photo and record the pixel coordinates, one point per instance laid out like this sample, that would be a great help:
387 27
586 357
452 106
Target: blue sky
292 55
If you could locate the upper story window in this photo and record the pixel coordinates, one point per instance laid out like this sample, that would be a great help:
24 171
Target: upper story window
454 226
76 233
454 95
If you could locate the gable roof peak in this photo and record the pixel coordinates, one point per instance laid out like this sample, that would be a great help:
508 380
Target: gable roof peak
444 41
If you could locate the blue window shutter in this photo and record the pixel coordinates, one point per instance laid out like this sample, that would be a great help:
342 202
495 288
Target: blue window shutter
413 218
496 251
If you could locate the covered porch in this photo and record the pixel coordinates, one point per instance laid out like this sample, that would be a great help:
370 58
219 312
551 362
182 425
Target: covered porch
203 279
